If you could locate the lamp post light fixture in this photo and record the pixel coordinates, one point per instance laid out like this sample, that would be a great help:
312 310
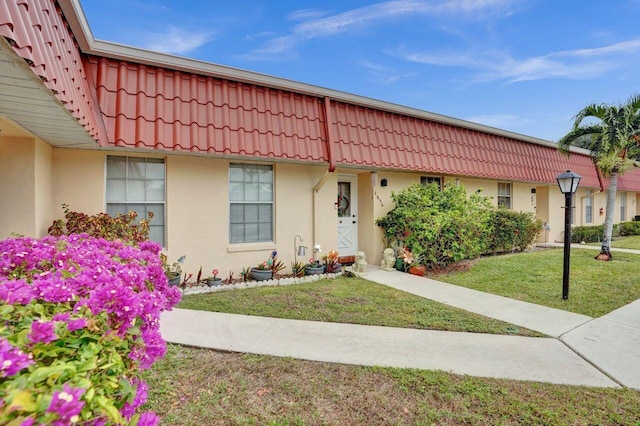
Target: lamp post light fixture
568 183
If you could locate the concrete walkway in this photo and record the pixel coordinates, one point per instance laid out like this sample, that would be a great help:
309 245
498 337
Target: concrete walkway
604 352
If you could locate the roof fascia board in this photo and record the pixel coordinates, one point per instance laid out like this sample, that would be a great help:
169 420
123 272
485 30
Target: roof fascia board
88 44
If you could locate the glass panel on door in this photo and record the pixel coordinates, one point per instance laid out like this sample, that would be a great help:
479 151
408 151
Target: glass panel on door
344 199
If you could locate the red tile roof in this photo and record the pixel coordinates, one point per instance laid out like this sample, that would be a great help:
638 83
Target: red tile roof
39 34
375 138
629 181
150 107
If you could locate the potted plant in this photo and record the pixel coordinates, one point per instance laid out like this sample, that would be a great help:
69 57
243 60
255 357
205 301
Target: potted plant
413 264
314 267
332 266
264 270
214 280
173 271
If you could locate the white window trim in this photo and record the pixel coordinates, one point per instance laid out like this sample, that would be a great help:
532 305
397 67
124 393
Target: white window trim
509 197
163 203
253 245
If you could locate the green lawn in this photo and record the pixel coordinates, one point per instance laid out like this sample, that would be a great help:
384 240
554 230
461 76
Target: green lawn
349 300
630 242
596 287
202 387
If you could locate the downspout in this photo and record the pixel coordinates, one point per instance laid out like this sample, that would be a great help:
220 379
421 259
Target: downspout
328 120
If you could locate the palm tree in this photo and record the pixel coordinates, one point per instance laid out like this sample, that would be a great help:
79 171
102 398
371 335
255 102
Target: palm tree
613 138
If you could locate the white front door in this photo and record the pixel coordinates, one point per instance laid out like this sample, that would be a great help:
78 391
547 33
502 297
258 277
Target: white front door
347 215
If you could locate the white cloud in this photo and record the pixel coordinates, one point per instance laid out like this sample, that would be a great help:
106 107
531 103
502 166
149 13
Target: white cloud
576 64
384 75
306 14
313 27
177 40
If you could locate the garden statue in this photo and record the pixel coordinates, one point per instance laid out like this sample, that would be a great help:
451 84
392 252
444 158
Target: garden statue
388 259
361 263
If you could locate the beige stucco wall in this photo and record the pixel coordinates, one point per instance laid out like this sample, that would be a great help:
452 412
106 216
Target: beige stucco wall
17 174
78 180
43 179
198 214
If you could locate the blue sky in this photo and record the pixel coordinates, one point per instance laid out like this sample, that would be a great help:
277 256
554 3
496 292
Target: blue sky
527 66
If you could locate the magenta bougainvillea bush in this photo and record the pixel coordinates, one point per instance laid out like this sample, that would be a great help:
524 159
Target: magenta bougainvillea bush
79 319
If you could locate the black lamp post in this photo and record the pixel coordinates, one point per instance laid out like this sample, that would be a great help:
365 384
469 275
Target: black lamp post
568 183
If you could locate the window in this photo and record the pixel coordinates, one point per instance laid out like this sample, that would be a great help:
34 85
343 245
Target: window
251 203
623 206
588 207
504 195
137 184
426 180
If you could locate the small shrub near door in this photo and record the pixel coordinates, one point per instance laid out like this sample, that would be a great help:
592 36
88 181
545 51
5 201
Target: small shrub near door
512 231
442 226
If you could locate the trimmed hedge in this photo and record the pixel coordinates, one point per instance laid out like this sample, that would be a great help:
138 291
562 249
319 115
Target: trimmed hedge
593 234
628 228
588 234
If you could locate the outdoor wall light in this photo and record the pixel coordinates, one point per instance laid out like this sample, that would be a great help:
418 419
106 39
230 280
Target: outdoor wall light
298 250
568 183
383 182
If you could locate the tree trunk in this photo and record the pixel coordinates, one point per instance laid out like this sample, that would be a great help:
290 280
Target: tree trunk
605 251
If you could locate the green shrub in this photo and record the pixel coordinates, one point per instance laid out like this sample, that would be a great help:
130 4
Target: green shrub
588 234
121 227
628 228
440 227
512 230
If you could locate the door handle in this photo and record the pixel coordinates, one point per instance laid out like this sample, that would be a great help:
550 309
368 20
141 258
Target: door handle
353 221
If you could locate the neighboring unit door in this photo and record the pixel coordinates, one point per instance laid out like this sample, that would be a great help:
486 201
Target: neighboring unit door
347 215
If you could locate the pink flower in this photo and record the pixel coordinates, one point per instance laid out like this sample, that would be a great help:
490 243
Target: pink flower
12 359
43 332
76 324
148 418
67 405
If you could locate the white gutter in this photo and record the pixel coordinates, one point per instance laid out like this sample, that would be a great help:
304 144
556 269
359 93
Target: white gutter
88 44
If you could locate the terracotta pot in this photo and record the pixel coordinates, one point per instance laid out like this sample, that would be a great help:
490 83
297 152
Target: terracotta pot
417 270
